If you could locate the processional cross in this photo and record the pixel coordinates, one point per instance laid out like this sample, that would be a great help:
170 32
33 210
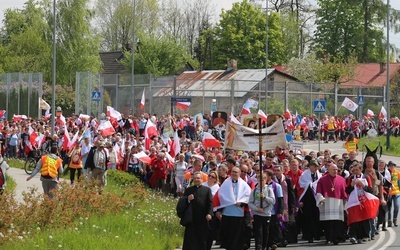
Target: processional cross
260 135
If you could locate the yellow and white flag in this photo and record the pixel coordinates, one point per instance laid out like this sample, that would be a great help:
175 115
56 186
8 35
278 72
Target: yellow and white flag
43 104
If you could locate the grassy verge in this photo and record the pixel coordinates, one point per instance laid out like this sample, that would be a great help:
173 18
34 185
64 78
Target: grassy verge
125 216
372 143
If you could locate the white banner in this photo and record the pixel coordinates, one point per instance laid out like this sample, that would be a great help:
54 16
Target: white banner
235 137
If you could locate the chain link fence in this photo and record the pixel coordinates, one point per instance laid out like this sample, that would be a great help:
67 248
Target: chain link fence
20 92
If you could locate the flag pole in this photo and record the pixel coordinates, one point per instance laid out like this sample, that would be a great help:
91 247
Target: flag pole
337 112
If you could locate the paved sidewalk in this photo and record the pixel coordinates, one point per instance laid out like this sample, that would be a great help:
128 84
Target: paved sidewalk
20 176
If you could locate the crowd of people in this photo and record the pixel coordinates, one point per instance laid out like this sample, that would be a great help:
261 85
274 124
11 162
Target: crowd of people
312 194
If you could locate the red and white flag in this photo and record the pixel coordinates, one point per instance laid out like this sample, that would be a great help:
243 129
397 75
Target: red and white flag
17 118
66 137
40 140
171 159
383 113
141 156
61 120
370 113
142 101
72 142
262 115
234 120
84 117
112 113
106 128
210 141
2 114
32 137
349 104
175 145
183 105
250 103
287 114
149 131
47 114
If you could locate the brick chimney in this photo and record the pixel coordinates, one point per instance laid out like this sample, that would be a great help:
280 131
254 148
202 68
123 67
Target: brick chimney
382 67
232 65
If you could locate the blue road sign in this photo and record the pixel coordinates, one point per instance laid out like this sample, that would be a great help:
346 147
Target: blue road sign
96 96
360 100
319 106
181 99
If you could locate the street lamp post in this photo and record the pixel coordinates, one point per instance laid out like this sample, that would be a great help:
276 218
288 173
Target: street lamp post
133 60
53 101
266 57
387 78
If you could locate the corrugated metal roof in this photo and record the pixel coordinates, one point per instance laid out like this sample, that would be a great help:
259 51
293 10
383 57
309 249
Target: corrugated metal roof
215 83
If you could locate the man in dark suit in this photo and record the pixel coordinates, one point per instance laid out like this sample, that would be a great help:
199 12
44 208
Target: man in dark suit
200 198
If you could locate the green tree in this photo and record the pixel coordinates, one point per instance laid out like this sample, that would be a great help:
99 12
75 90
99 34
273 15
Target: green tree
115 20
241 35
77 47
159 56
353 27
23 37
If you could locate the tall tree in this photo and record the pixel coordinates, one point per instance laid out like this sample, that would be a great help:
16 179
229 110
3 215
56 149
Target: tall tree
115 20
26 48
159 56
241 35
353 27
77 46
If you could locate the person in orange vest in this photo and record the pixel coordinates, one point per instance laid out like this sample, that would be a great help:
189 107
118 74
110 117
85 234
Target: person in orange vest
50 167
351 143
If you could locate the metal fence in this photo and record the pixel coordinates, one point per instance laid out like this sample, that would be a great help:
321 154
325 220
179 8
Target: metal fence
20 92
213 94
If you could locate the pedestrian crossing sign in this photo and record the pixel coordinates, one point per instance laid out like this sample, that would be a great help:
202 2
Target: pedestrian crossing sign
96 96
319 106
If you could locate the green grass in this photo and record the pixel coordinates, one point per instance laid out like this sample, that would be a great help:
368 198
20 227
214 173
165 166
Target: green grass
149 223
372 143
153 226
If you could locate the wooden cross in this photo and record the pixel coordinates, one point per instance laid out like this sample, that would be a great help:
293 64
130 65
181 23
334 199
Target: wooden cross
260 135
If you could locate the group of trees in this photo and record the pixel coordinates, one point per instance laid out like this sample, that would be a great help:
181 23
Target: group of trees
168 34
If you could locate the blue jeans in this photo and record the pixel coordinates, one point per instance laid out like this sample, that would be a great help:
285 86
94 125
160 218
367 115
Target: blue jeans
396 203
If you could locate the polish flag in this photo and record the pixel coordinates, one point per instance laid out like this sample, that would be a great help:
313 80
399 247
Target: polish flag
2 114
40 140
250 103
383 113
72 143
84 117
17 118
47 114
149 131
183 105
210 141
142 102
171 160
234 120
106 129
370 113
288 115
262 115
66 138
32 137
111 112
175 145
61 120
141 156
